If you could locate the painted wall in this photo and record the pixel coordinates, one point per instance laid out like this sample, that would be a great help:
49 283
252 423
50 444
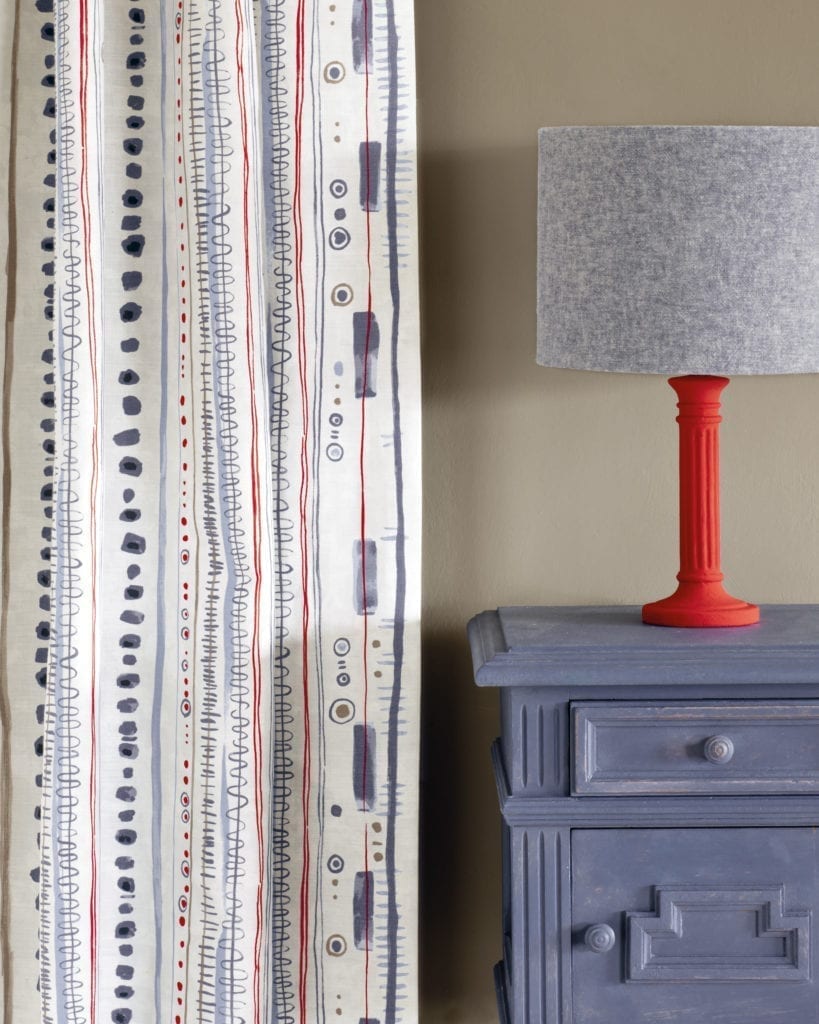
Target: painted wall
558 487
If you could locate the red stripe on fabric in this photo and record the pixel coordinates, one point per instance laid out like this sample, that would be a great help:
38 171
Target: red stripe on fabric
304 887
255 492
85 204
363 499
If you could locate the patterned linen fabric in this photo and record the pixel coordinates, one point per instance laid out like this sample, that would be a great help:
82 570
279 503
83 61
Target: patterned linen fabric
210 495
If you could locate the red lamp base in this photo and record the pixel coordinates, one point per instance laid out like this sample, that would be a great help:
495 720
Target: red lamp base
700 604
700 599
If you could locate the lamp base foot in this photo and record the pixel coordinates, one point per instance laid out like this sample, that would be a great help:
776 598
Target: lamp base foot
700 605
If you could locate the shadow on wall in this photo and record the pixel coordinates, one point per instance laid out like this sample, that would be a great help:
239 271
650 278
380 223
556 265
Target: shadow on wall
478 245
460 838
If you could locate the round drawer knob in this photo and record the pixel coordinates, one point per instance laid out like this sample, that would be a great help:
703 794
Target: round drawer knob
599 938
718 749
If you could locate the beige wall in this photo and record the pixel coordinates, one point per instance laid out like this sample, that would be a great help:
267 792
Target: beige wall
554 487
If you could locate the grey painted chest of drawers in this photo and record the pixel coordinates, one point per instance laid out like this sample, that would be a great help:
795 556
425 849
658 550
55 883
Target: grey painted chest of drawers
659 790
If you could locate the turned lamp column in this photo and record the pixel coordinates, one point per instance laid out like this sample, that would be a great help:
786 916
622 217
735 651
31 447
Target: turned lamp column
700 598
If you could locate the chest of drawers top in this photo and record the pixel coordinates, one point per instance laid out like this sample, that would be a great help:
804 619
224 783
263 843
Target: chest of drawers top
589 646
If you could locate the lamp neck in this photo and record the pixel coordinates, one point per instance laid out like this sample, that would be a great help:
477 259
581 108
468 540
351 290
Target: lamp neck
699 599
699 419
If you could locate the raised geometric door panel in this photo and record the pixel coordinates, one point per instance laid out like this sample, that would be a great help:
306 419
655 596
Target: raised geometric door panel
701 933
668 920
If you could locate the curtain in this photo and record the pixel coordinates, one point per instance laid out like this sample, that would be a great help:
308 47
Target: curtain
210 512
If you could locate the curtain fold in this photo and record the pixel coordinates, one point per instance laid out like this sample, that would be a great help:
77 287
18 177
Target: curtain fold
210 536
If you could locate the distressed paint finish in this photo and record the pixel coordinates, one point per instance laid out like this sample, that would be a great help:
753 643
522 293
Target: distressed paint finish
539 976
614 816
627 748
719 933
748 899
584 647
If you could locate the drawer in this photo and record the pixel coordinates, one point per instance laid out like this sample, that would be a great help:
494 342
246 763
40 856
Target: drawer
694 925
624 748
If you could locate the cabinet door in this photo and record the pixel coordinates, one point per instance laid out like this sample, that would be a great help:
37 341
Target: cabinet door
700 926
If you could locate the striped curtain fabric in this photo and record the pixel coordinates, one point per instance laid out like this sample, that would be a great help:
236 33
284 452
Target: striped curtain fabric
210 512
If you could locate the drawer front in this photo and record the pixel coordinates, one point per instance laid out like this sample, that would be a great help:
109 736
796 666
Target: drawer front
623 748
694 925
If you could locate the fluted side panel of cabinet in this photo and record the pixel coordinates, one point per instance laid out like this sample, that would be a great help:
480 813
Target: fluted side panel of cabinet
541 929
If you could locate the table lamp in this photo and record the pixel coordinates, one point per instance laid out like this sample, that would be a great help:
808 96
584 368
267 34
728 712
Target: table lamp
690 251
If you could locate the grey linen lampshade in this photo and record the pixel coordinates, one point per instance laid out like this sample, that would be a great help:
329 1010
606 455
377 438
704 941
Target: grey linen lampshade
679 249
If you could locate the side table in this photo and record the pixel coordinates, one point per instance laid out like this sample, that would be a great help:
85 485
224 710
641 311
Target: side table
660 798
